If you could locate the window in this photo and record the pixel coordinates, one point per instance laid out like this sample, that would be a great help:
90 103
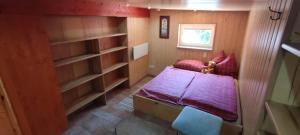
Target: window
196 36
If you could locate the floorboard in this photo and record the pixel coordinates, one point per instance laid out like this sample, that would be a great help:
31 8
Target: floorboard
102 120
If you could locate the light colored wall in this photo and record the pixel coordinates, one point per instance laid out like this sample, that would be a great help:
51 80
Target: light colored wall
262 44
229 36
138 33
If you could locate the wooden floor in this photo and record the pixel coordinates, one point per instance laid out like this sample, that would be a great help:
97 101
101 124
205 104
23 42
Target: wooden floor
101 120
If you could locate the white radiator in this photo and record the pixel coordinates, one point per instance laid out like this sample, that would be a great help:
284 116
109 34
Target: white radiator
140 50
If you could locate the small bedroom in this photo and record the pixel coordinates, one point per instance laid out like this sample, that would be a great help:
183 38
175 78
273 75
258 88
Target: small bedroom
150 67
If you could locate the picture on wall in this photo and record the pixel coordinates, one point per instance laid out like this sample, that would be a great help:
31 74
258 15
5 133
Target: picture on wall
164 25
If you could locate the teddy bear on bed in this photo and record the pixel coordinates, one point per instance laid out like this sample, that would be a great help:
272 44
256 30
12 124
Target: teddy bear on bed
209 68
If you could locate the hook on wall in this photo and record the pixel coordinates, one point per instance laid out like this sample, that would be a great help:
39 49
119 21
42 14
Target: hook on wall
278 14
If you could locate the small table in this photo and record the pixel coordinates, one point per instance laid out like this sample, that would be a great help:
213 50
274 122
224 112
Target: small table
134 125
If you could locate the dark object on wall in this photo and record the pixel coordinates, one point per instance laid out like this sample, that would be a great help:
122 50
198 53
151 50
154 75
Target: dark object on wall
278 14
164 25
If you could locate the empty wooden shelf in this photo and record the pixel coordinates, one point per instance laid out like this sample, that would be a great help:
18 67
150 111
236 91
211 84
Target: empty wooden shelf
285 118
89 38
115 84
82 102
79 81
91 63
113 50
114 67
71 60
292 48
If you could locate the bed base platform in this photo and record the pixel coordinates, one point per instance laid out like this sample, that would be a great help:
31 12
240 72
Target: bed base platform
169 112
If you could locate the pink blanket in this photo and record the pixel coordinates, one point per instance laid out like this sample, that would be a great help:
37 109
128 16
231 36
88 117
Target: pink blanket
211 93
214 94
169 85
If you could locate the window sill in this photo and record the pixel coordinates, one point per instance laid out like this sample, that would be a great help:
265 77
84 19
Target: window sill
196 48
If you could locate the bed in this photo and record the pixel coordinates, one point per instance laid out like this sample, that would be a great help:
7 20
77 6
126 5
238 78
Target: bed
166 94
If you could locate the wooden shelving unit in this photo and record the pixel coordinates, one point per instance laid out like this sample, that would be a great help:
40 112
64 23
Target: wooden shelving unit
88 68
88 38
116 83
71 60
113 50
114 67
72 84
285 118
83 101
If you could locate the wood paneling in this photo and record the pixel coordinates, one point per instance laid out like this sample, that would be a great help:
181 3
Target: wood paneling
261 47
72 7
64 28
92 7
216 5
138 33
5 124
10 111
28 75
229 36
83 80
71 27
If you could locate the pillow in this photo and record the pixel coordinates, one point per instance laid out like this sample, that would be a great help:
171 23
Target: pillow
227 67
193 65
219 57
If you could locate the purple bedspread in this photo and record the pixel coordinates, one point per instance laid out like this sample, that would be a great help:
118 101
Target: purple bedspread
211 93
169 85
214 94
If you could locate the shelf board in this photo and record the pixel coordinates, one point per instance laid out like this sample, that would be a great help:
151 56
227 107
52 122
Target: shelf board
79 81
83 101
264 133
71 60
114 67
112 50
285 118
89 38
115 84
292 48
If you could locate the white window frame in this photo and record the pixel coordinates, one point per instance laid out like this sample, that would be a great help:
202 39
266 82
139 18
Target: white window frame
196 46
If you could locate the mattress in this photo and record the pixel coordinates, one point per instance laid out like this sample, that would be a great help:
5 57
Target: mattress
214 94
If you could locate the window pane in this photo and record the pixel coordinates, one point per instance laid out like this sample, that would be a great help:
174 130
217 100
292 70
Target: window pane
196 36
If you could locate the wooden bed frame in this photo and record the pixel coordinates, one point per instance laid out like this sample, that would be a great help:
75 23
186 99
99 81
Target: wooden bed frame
168 112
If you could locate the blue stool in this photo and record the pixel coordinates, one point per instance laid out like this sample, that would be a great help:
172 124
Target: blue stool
192 121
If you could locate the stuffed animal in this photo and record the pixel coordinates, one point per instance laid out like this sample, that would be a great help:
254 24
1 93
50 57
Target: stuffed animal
209 68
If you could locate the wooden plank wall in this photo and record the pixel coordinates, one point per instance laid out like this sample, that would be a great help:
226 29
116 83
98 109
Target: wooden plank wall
229 36
11 116
61 28
72 7
138 33
28 75
5 124
262 43
26 64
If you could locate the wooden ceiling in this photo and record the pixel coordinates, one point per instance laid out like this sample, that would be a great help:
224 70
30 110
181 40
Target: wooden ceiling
217 5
